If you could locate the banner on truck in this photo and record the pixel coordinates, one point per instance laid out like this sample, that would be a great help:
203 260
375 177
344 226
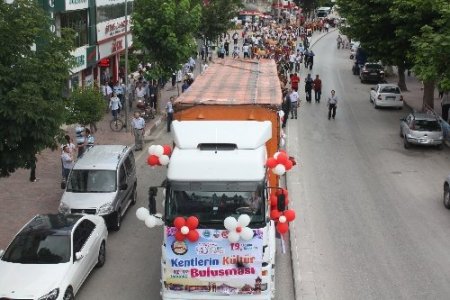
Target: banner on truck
213 264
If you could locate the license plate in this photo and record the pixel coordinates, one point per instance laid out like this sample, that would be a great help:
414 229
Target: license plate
390 98
373 74
424 141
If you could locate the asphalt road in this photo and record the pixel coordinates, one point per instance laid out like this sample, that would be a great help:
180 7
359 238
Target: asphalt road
371 223
132 270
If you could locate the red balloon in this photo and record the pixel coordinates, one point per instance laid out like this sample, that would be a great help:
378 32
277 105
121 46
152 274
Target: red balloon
288 165
192 235
153 160
271 163
282 158
282 151
275 214
179 222
273 200
282 228
289 214
192 222
167 150
179 236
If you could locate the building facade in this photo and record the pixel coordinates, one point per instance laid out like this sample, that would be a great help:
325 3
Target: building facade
99 27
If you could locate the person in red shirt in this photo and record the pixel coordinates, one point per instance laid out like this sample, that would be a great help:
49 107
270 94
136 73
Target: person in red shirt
317 86
295 79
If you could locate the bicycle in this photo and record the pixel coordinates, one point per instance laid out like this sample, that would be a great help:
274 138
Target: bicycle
117 124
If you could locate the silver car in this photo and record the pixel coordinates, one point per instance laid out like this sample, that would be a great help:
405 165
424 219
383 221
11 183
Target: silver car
421 129
386 95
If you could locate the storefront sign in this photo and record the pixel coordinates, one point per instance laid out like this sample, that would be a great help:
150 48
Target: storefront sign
68 5
91 55
114 46
80 59
109 2
213 264
112 28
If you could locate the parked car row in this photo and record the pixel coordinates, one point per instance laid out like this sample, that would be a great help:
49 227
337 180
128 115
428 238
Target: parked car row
53 254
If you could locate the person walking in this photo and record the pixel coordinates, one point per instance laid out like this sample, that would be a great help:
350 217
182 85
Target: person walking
445 103
115 105
295 79
138 125
317 86
68 161
294 99
90 139
308 87
332 104
286 107
169 112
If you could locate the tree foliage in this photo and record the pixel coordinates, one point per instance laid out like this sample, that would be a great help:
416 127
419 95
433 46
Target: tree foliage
166 29
85 106
31 84
216 17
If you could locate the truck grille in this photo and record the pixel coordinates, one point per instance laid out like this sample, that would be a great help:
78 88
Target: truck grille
89 211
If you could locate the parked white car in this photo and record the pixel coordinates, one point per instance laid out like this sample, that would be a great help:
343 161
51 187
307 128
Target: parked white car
51 256
386 95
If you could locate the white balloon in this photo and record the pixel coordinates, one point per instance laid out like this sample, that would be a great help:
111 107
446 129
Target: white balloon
184 230
142 213
150 221
246 233
244 220
159 150
159 221
151 150
282 219
230 223
164 160
279 169
233 236
276 155
281 113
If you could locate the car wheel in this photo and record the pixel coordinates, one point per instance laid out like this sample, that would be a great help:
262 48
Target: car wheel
406 144
116 221
375 104
68 295
134 196
446 196
440 146
401 132
101 255
370 99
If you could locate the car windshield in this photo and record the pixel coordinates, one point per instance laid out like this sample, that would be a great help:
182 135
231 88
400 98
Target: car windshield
427 125
373 66
390 89
39 247
92 181
212 204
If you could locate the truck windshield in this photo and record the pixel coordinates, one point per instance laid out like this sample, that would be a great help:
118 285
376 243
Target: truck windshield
212 203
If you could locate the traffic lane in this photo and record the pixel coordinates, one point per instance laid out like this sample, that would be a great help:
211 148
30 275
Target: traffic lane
133 266
365 197
134 253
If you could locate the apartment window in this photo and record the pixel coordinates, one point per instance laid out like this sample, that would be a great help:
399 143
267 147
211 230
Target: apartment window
77 21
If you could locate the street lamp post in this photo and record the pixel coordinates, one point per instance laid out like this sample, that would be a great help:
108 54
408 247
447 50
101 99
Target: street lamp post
126 67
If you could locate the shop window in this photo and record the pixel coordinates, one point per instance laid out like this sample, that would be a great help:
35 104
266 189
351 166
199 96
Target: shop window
77 21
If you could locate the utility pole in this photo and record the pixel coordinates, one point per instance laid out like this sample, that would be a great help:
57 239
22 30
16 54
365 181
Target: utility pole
126 67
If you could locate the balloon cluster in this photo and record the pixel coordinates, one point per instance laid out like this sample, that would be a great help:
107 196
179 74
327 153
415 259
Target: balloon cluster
186 228
281 218
159 155
150 220
238 229
280 163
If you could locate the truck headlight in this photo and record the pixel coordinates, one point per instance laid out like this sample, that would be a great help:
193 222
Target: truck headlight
105 209
53 295
64 208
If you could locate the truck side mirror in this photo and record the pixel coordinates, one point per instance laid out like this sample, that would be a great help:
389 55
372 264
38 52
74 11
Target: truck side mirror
152 192
281 202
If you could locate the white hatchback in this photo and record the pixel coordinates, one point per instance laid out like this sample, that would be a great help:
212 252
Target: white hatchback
386 95
51 256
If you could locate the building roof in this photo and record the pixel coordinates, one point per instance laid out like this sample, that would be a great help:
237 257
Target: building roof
235 82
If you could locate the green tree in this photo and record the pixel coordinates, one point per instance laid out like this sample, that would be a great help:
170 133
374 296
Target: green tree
166 29
216 17
432 53
85 106
31 84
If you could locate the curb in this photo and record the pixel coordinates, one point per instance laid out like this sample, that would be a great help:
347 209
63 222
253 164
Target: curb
150 129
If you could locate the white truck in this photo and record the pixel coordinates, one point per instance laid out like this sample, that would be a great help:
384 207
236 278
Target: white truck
217 170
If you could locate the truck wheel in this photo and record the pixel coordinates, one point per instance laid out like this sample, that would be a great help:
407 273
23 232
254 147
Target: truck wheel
133 196
446 196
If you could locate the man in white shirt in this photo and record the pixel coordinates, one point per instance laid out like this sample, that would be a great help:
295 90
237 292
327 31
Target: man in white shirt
67 160
294 100
138 125
246 50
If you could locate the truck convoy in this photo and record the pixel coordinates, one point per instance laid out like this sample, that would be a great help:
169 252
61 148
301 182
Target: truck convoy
219 239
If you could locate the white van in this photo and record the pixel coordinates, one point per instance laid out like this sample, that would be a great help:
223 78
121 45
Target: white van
102 182
323 12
